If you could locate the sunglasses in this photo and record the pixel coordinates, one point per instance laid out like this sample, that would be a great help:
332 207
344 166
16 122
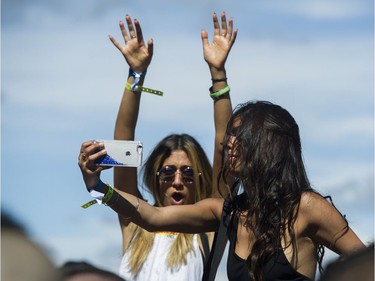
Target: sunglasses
167 174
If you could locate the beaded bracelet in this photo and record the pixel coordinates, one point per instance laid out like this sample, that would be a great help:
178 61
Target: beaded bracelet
215 95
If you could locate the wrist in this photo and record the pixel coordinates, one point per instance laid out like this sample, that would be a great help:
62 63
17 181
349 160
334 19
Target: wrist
91 181
97 186
138 77
215 95
101 194
217 73
135 83
217 80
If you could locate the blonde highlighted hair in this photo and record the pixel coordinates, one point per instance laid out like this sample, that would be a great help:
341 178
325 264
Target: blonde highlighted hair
142 241
141 245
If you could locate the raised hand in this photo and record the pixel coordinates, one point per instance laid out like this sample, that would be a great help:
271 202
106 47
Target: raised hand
136 53
216 53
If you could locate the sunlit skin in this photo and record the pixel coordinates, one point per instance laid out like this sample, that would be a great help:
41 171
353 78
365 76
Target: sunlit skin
177 192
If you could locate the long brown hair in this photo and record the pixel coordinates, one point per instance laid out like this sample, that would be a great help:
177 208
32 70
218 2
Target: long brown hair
273 175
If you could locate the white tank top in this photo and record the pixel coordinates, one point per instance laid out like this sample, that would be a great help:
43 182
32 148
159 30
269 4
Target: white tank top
155 266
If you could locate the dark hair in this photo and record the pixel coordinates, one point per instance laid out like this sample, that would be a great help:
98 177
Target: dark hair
272 172
73 268
196 155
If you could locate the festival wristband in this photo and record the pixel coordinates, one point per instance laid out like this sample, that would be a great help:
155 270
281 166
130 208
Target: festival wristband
137 76
128 86
100 197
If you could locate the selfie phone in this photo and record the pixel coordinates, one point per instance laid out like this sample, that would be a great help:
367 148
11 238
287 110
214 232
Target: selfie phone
121 153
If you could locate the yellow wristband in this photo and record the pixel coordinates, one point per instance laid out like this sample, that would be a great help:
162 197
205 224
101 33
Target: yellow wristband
104 201
128 86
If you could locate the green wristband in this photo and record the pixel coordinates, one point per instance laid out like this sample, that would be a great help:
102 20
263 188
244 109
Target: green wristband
108 195
220 92
104 201
88 204
143 89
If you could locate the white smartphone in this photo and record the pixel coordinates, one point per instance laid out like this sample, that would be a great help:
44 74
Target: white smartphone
121 153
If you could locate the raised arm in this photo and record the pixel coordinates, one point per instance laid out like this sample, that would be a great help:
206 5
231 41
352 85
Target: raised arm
216 54
138 56
203 216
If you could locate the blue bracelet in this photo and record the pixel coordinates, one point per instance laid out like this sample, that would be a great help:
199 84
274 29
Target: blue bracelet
136 76
96 187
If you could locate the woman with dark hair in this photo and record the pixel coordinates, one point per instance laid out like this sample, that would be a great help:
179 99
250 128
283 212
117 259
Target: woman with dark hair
278 222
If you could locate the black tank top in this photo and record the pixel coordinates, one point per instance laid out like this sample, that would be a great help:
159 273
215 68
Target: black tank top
277 268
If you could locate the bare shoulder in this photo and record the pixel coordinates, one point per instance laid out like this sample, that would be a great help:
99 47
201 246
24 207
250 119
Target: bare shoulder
310 198
325 225
315 205
315 212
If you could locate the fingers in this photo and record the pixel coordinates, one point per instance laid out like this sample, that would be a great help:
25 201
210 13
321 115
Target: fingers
150 46
82 154
230 26
204 36
135 31
216 25
223 31
113 40
138 29
123 31
132 32
223 25
234 36
226 29
90 151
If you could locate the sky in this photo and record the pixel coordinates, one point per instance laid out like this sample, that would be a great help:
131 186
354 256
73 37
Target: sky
62 81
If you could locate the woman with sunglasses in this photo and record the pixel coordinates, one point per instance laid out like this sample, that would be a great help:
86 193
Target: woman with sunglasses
278 224
177 172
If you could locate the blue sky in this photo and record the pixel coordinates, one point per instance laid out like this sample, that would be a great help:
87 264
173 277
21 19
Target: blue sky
62 82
